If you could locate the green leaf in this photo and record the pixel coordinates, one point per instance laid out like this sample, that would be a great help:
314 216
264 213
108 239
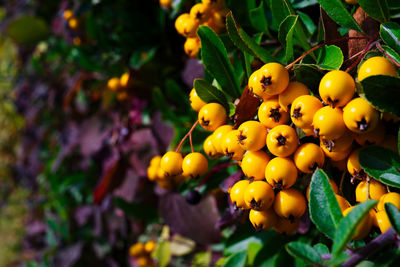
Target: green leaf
338 12
394 216
390 34
162 253
324 208
237 260
303 251
348 225
27 30
377 9
252 250
393 54
216 61
308 22
309 75
321 249
136 210
258 19
330 57
383 92
209 93
285 35
381 163
245 40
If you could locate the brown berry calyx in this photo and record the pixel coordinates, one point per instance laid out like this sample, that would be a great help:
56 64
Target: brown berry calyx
265 81
281 140
362 125
275 114
297 113
205 122
255 205
329 144
332 102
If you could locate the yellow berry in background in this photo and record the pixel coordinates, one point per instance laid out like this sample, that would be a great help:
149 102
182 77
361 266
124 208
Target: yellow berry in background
68 13
364 226
114 84
376 190
180 22
194 165
213 4
373 137
351 2
286 226
200 13
353 165
383 221
391 197
150 246
136 250
343 203
218 135
376 66
124 80
121 96
166 3
73 23
192 46
195 101
293 91
211 116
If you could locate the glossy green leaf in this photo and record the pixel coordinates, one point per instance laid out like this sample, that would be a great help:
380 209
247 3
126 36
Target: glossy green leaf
237 260
258 19
390 34
27 30
329 57
304 252
216 61
381 163
394 216
324 208
348 225
252 250
321 248
383 92
391 53
209 93
285 35
246 41
162 253
308 22
377 9
338 12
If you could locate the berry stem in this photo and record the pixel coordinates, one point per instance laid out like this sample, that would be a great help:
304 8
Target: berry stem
369 45
186 136
321 45
191 143
213 170
387 55
379 242
368 183
341 183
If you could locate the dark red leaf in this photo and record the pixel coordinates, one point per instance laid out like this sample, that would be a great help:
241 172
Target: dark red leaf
246 108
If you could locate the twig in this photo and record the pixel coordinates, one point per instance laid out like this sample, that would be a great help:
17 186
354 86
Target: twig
387 55
341 183
369 45
379 242
186 136
368 183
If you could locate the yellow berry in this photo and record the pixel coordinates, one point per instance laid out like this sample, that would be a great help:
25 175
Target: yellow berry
68 13
354 167
281 173
136 250
293 91
376 190
218 135
263 220
303 109
308 157
192 46
254 163
286 226
209 147
328 123
270 79
383 221
231 147
125 79
359 116
171 163
282 141
290 204
195 101
259 195
236 194
376 66
200 13
363 227
211 116
150 246
252 135
337 88
391 197
194 165
113 84
270 114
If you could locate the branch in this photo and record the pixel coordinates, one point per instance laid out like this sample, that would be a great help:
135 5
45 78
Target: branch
382 240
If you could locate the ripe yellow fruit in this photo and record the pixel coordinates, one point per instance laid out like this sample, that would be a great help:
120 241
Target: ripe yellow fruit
336 155
343 203
303 110
281 173
270 79
166 3
254 164
200 13
337 88
211 116
209 148
341 144
192 46
195 101
363 228
73 23
374 137
218 135
286 226
359 116
376 66
252 135
150 246
270 114
259 195
194 165
180 23
376 190
290 204
308 157
114 84
383 221
391 197
125 80
236 193
354 167
263 220
137 250
328 123
171 163
152 173
282 141
68 13
230 145
293 91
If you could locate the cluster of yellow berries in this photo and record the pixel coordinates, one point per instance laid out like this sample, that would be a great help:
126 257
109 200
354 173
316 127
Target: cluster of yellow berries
73 24
269 151
210 13
120 85
142 253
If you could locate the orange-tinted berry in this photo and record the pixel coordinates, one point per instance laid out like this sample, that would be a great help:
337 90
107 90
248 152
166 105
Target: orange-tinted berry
231 147
252 135
337 88
263 220
211 116
195 101
270 114
391 197
359 116
254 163
286 226
282 141
364 226
308 157
218 136
290 204
270 79
376 66
328 123
376 190
303 109
236 194
293 91
194 165
171 163
259 195
281 173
